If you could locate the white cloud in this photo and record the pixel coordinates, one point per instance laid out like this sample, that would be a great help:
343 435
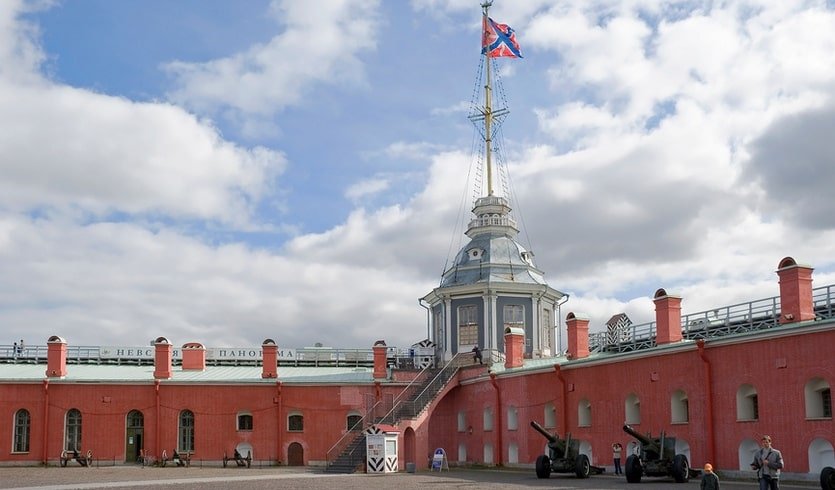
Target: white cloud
366 188
320 43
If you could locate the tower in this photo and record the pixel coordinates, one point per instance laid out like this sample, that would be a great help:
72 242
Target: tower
493 283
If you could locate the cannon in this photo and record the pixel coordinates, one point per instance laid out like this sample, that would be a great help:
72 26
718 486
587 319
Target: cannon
239 460
657 457
563 457
176 458
83 460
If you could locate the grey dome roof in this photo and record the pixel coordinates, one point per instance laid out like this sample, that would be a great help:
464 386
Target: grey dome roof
492 258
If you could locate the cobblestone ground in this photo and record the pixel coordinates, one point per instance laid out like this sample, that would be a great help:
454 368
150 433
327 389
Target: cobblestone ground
126 477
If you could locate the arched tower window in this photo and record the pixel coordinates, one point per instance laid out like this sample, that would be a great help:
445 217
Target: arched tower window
679 407
747 404
632 409
818 399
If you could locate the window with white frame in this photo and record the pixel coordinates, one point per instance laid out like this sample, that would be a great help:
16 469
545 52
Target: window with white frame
245 421
295 422
72 430
467 325
514 316
186 431
21 431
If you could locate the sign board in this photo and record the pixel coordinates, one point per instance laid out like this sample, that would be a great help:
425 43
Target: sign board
439 460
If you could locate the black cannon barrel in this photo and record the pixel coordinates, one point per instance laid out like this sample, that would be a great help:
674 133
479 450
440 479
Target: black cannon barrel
632 432
541 430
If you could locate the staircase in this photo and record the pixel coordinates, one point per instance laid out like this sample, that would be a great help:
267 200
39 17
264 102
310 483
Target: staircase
410 403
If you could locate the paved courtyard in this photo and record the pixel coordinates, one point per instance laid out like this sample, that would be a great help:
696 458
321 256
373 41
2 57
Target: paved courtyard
128 477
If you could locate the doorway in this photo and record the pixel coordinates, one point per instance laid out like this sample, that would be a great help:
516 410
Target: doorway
295 454
133 436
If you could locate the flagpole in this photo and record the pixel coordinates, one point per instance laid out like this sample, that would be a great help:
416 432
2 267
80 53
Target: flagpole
488 110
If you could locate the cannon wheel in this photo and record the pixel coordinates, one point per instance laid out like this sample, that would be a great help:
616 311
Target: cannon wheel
89 458
828 478
582 468
63 460
225 459
248 459
633 469
681 471
543 466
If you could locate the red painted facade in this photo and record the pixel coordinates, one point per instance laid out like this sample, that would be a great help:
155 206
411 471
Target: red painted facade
692 390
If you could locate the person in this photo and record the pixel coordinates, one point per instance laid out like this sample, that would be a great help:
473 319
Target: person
616 450
20 347
14 350
477 355
709 480
768 462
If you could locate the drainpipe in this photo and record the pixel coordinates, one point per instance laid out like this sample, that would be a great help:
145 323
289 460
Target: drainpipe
564 411
157 428
498 417
711 440
428 319
45 421
279 421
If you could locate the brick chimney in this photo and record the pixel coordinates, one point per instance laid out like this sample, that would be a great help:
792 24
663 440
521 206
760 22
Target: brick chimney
56 357
796 303
667 317
269 356
380 358
577 326
194 356
514 347
163 355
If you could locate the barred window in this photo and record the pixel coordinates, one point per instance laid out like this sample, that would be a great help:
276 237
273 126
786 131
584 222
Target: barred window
21 431
295 422
186 432
245 421
72 430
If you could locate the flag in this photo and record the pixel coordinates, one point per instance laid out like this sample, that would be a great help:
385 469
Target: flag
498 40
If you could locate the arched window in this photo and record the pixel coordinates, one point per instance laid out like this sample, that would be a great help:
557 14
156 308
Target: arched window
818 399
679 407
512 453
135 419
21 431
295 422
245 421
488 418
584 413
632 409
747 404
462 421
488 453
550 416
72 430
186 432
462 452
352 422
512 418
821 455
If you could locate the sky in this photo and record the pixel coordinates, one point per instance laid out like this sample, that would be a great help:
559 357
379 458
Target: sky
227 172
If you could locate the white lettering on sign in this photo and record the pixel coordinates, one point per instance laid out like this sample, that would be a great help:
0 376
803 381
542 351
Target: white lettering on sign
227 353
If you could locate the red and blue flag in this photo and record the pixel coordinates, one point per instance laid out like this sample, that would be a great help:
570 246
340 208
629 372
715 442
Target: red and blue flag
498 40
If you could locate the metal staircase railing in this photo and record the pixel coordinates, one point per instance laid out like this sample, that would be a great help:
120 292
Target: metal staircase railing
413 406
346 454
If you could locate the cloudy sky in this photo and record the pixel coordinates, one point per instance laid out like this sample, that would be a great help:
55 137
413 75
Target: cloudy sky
225 172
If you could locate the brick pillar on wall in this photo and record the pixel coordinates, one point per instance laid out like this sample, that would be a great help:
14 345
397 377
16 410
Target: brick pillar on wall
380 357
163 355
796 303
269 356
577 327
56 357
514 347
667 317
194 356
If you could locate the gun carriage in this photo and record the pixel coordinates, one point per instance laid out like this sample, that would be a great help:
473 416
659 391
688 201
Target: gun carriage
83 460
563 456
657 457
239 460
